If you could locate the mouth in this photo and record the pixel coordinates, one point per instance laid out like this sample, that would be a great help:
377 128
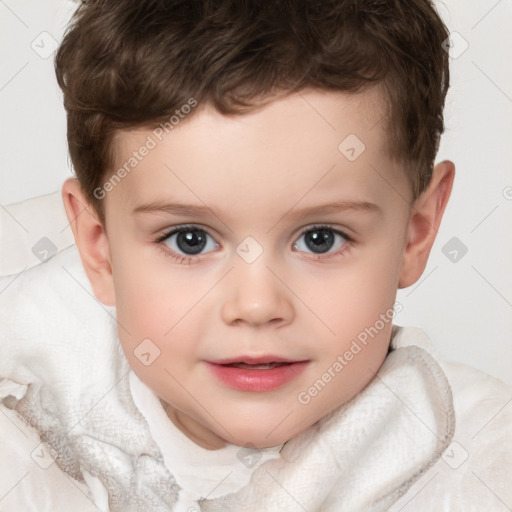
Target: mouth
256 374
256 366
254 360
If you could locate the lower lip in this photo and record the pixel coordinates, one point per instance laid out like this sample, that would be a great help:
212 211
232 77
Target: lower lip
257 380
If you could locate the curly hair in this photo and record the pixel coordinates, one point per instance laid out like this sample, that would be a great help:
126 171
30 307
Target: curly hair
131 63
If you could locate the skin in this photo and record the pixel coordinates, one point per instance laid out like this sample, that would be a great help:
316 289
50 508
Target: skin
256 172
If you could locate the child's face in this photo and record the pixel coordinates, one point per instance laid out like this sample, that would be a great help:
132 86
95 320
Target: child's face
257 286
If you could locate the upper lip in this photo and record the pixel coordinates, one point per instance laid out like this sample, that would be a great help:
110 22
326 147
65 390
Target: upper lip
256 360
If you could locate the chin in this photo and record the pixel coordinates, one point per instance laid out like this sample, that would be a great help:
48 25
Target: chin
259 442
260 438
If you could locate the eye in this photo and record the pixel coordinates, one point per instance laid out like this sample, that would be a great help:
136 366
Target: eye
183 243
322 239
188 241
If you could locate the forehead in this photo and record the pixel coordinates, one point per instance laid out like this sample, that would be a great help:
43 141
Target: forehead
308 143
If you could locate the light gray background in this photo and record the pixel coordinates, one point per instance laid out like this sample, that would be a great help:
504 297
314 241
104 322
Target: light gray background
466 305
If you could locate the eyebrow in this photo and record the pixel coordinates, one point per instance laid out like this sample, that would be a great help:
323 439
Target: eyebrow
204 211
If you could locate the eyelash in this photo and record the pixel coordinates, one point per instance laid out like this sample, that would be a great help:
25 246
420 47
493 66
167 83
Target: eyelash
186 260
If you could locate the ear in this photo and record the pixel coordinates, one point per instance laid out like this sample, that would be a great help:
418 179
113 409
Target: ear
426 214
91 240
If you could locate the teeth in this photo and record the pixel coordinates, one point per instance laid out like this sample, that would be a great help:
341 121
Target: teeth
266 366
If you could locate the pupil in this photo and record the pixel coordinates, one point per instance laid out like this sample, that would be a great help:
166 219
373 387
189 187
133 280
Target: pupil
320 240
191 242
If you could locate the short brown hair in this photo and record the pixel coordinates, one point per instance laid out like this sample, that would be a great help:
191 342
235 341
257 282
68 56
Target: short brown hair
131 63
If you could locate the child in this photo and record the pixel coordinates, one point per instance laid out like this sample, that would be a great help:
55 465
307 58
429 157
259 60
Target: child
255 181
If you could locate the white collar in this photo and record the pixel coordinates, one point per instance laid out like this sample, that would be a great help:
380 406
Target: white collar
200 472
367 453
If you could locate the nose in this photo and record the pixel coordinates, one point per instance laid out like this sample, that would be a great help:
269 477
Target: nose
256 296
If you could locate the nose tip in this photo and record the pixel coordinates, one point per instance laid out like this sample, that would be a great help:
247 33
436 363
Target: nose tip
256 316
255 296
255 312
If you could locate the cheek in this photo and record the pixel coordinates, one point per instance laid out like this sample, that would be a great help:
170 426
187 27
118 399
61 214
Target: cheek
155 333
158 304
352 296
150 296
357 306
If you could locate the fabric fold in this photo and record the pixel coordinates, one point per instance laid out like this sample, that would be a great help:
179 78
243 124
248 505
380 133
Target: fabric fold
365 454
70 382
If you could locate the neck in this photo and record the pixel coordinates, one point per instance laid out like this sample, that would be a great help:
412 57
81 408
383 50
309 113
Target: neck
193 430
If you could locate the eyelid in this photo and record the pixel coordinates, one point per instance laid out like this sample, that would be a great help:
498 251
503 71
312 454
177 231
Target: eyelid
169 231
342 251
182 259
342 231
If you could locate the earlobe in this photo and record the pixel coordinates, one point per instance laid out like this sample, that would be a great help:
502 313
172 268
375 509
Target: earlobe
427 212
91 241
